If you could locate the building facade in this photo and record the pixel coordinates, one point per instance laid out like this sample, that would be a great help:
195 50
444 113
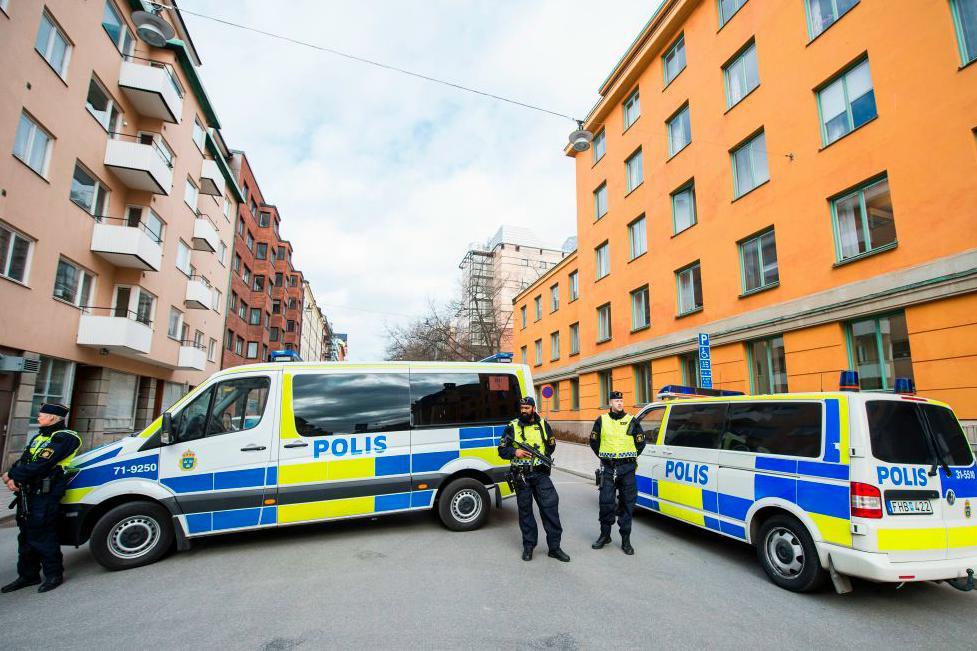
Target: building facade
772 184
316 329
115 196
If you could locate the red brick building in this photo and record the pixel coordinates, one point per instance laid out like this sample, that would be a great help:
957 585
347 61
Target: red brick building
265 293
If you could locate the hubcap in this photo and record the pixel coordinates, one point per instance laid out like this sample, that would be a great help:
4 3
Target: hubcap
466 505
134 537
784 552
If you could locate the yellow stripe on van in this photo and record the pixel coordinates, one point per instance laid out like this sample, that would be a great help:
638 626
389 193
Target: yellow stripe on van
323 510
490 455
73 495
680 494
504 489
352 468
302 473
681 513
288 414
902 540
844 445
833 530
958 537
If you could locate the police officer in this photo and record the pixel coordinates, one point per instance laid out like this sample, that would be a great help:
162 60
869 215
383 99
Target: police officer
617 440
532 479
38 479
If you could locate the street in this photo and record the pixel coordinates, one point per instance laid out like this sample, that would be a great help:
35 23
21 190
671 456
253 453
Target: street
404 581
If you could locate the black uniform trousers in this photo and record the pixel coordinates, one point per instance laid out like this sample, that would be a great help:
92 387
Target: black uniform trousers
38 543
538 486
617 496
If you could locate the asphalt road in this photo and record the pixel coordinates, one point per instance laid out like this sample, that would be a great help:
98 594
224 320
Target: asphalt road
404 581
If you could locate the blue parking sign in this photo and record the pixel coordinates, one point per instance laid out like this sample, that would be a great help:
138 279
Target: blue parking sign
705 365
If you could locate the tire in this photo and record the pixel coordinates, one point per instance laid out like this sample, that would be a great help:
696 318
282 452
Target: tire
464 505
788 554
132 535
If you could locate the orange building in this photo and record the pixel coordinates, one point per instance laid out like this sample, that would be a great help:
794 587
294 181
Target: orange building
796 178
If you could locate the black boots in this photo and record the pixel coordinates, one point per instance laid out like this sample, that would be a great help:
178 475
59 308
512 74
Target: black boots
51 584
605 539
626 544
527 554
559 555
19 583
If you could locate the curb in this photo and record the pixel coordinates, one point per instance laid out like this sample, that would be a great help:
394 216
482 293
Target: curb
575 472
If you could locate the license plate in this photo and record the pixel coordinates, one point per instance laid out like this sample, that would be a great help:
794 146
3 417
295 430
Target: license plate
910 507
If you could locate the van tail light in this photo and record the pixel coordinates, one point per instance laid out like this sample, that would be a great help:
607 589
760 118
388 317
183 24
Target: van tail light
866 501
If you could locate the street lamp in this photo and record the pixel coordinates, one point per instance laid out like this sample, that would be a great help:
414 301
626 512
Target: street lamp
581 138
152 28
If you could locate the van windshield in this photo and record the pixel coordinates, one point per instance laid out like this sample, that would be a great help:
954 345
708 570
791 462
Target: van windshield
901 431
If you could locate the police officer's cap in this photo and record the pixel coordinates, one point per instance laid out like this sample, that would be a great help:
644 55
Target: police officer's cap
617 395
528 400
54 408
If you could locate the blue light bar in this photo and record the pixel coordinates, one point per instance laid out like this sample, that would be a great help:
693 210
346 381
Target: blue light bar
905 385
680 391
849 381
284 356
501 358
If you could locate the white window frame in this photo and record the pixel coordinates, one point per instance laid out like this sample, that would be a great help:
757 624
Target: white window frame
554 346
554 297
632 108
212 350
201 139
82 274
7 255
182 246
604 332
634 170
690 188
643 310
222 253
47 52
602 260
600 203
42 385
124 423
751 154
670 56
128 41
637 237
135 292
109 124
686 304
573 278
599 145
249 355
538 347
178 324
101 190
538 307
672 126
575 338
737 75
191 189
33 128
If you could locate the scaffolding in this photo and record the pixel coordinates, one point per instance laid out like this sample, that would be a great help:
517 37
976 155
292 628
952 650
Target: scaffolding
478 279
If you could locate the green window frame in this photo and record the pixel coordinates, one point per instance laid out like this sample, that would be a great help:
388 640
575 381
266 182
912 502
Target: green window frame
640 308
965 24
750 165
763 265
600 201
522 315
684 193
741 74
605 383
538 349
867 110
575 338
767 359
838 8
554 346
634 170
575 394
689 362
573 292
631 109
523 352
675 53
604 331
679 124
642 383
880 354
693 272
555 400
599 146
727 9
602 260
864 226
637 237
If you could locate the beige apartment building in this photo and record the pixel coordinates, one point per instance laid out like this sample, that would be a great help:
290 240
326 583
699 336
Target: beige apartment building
316 330
115 218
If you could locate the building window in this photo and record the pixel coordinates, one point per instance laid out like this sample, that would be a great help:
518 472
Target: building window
252 350
190 194
554 346
637 238
689 289
522 354
555 401
632 109
183 258
102 107
634 170
750 164
679 129
279 279
53 45
538 345
674 60
290 326
822 14
683 208
603 259
758 262
222 253
242 310
174 325
117 29
605 384
249 241
599 145
768 366
254 316
293 281
212 350
689 363
522 316
600 202
880 351
640 308
253 207
965 21
239 346
229 340
264 218
727 8
216 298
15 254
574 289
73 284
280 253
134 301
274 333
199 133
554 298
276 307
642 383
863 220
538 305
574 394
52 384
240 226
259 283
574 338
846 103
87 193
741 75
232 302
246 275
33 144
604 323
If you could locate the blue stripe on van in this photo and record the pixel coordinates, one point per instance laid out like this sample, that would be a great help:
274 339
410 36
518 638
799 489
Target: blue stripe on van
776 464
771 486
271 475
710 501
734 507
239 478
236 518
818 469
103 474
465 433
269 515
733 530
190 483
712 523
648 503
644 484
832 431
398 464
430 461
102 457
961 487
478 443
394 502
421 498
199 522
827 499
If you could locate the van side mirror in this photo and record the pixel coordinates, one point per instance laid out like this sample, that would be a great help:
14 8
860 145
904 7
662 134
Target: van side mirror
166 429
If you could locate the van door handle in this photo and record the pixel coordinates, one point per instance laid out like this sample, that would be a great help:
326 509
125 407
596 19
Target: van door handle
253 448
667 453
296 444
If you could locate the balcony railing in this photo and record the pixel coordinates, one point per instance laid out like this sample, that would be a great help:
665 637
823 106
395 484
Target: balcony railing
139 164
192 355
127 243
153 87
115 329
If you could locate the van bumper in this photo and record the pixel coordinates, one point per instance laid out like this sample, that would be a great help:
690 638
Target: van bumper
878 567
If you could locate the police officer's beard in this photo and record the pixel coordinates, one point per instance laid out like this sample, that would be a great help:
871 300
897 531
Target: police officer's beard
525 418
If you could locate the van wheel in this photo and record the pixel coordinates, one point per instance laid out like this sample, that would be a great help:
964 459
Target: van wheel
788 555
131 535
463 505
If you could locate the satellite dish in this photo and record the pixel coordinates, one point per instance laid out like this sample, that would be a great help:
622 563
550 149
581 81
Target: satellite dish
152 28
580 140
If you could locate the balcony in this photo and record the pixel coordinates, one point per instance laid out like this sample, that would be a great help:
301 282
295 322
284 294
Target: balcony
211 179
198 295
153 88
139 165
115 330
205 237
192 356
127 244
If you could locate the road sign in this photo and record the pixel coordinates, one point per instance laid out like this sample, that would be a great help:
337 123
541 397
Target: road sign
547 391
705 361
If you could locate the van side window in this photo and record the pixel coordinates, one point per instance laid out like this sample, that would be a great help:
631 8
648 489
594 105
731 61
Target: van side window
238 405
695 426
451 399
651 422
350 403
191 423
782 428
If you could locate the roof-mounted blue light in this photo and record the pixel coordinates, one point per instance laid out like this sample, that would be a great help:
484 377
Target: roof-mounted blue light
681 391
849 381
905 386
284 356
501 358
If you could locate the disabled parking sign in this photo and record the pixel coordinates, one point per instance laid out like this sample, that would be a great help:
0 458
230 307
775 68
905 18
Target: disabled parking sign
705 361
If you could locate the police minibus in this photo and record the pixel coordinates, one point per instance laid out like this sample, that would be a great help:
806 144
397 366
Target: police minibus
880 486
270 445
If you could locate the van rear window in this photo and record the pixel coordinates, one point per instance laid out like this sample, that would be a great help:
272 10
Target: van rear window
445 399
899 433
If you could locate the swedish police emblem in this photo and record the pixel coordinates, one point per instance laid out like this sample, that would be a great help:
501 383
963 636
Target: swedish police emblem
188 461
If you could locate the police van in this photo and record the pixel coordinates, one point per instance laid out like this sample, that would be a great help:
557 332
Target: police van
271 445
880 486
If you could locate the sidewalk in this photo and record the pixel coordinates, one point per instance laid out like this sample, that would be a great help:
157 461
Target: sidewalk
575 459
6 497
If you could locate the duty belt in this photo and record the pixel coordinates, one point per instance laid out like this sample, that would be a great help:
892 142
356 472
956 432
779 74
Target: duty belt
618 461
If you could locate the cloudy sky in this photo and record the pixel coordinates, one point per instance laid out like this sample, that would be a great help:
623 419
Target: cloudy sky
383 180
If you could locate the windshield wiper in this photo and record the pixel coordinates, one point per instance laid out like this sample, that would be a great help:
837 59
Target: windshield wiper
933 443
